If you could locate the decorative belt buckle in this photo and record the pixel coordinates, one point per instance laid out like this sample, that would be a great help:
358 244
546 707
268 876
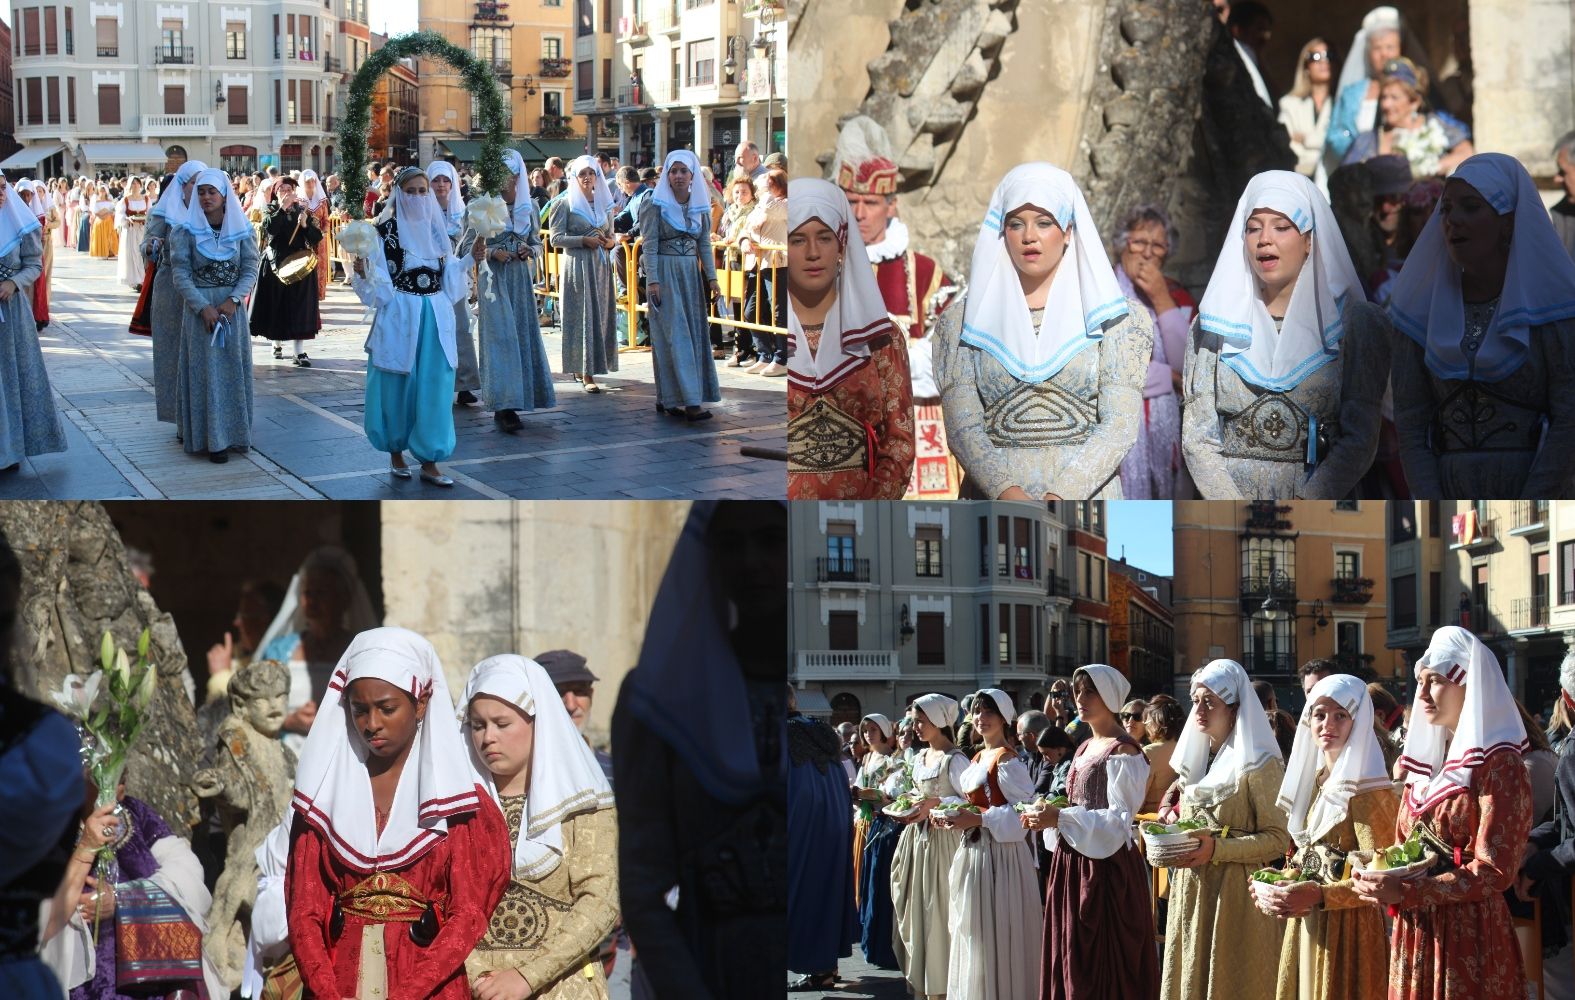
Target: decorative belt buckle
824 439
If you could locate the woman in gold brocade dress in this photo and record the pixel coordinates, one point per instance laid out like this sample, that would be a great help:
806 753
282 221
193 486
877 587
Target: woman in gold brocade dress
315 200
561 899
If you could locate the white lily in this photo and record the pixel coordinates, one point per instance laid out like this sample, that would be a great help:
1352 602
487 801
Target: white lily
146 689
76 694
123 670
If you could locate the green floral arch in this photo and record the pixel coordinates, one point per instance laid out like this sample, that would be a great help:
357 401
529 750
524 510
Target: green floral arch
479 80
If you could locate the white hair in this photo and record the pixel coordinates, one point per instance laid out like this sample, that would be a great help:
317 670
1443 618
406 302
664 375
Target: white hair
1567 673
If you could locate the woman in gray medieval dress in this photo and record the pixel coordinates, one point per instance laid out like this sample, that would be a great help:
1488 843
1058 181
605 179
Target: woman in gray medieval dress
445 188
1042 373
515 374
1484 375
680 279
29 424
581 226
214 258
166 307
1287 363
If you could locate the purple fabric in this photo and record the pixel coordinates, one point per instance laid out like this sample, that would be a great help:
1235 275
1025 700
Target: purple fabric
136 861
1170 339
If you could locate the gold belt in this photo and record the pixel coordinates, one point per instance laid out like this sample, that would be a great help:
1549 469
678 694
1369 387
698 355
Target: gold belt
383 897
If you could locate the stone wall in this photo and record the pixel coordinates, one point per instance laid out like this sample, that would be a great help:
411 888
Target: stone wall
485 578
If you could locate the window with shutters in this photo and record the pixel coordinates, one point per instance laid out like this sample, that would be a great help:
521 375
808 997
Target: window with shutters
33 88
1003 632
701 58
932 638
51 33
71 47
927 552
71 100
52 106
1567 572
235 39
844 627
1022 549
172 40
1025 633
235 100
984 633
31 38
308 103
109 104
108 32
174 100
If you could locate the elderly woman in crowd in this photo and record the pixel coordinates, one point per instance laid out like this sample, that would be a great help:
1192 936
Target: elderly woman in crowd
1468 798
1230 773
1338 798
1356 95
582 227
214 264
1431 141
1098 930
1041 373
1306 109
850 412
1288 364
1153 469
1484 376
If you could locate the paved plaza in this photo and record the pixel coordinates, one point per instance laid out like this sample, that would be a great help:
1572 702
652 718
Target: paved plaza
307 440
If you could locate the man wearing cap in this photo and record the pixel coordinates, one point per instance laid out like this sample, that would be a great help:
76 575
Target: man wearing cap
912 284
573 681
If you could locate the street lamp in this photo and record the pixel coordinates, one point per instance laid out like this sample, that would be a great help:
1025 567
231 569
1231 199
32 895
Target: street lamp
763 47
1272 607
1319 619
730 65
905 630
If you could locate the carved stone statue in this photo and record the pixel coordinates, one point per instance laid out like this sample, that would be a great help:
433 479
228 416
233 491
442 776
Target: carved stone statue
250 784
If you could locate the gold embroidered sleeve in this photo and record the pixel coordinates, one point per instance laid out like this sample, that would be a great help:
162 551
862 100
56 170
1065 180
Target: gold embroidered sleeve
591 854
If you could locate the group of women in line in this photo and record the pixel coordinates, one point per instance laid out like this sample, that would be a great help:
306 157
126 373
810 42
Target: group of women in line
1046 372
950 897
208 261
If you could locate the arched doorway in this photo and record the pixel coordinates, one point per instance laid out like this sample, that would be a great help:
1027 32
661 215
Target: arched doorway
845 708
238 159
317 159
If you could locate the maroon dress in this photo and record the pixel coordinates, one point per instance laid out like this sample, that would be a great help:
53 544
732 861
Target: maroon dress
1099 930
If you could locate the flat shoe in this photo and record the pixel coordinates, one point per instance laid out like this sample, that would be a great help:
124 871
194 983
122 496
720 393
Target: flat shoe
278 353
399 473
592 387
776 370
427 477
695 418
735 363
218 457
465 398
302 361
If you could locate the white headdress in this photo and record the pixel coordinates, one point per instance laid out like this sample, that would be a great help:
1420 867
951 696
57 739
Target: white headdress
222 243
1112 684
1003 703
522 214
859 315
938 708
423 229
16 221
454 214
1084 301
1359 768
1250 745
699 208
1489 721
1539 283
310 202
565 778
1233 309
333 792
598 209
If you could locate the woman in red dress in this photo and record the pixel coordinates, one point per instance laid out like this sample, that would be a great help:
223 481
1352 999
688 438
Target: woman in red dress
850 398
397 856
1466 786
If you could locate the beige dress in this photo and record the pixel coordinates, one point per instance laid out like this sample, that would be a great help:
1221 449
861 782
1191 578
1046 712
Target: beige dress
920 879
1217 943
550 929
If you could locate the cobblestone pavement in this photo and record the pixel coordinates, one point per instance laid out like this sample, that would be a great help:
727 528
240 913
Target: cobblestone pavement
306 433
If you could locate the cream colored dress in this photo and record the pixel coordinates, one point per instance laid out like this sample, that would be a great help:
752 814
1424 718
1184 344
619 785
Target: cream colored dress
920 879
550 929
1218 945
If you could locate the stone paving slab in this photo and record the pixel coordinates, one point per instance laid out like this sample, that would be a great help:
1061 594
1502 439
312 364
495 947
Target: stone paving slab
307 439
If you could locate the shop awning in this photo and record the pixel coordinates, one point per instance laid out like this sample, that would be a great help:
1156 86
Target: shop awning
28 158
535 151
463 150
123 152
812 701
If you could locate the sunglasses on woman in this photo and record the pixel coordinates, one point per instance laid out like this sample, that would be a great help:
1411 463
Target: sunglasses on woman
1313 57
1128 716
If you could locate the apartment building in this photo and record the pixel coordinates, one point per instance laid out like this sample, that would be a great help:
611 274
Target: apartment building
1505 569
8 144
528 43
1142 628
108 87
891 600
392 131
1273 585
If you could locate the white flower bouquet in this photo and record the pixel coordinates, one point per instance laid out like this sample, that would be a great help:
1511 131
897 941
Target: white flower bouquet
486 216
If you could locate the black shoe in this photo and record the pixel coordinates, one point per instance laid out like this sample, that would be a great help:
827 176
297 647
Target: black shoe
218 457
43 324
278 352
508 421
465 398
302 361
697 416
804 984
12 467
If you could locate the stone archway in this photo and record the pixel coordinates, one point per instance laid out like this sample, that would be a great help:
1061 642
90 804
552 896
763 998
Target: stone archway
479 80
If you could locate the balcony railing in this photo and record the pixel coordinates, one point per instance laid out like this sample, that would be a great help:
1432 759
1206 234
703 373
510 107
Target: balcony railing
632 97
829 570
1528 613
702 79
556 67
1059 586
177 124
555 126
1062 666
1480 618
491 10
847 665
109 51
334 64
1356 664
1352 590
502 68
1260 586
1530 515
1270 663
174 55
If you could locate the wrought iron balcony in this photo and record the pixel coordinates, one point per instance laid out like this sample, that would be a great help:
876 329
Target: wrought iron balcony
1270 663
109 51
1258 586
1528 613
503 69
491 10
1531 517
829 570
1352 590
556 67
1059 586
334 64
174 55
1355 664
555 126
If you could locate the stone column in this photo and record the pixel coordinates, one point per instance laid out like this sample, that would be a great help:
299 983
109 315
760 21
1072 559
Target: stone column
623 138
1516 667
702 132
659 120
1522 57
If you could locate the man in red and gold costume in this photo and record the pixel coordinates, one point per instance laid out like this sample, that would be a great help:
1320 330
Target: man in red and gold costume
913 286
